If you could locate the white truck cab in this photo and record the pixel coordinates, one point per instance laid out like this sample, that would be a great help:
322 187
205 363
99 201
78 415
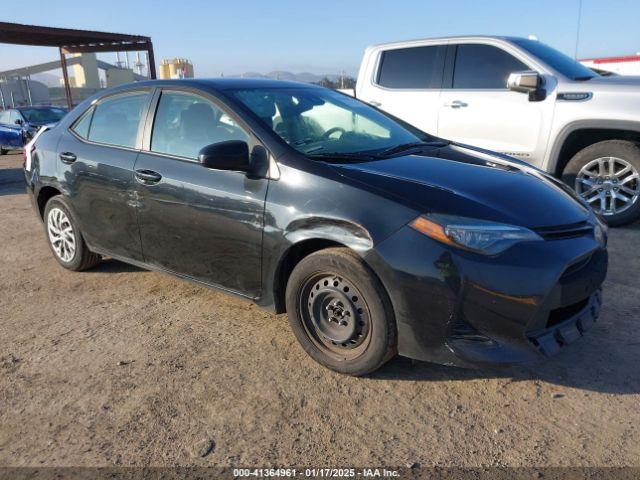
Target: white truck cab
519 97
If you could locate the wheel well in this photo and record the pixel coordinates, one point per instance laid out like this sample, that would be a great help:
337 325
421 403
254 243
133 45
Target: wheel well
579 139
288 262
44 195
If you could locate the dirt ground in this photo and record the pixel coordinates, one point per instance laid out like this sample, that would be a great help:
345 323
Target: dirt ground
120 366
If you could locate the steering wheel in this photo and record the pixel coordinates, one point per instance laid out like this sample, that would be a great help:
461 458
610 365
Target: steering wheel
331 131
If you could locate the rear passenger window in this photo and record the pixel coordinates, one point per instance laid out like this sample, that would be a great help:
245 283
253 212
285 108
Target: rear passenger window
185 123
416 67
81 127
116 119
484 66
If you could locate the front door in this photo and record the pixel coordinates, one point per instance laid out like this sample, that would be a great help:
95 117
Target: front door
202 223
10 132
477 109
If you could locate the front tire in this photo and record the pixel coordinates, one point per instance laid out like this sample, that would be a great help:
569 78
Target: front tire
606 175
340 312
65 238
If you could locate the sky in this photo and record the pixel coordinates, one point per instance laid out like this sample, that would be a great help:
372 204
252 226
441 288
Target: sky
327 36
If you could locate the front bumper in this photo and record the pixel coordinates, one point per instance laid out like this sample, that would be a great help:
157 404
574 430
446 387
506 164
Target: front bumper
458 308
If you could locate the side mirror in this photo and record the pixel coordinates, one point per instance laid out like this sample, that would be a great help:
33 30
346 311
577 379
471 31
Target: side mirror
230 155
18 121
527 82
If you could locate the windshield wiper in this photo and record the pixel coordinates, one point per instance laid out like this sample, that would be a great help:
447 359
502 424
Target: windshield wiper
341 156
409 146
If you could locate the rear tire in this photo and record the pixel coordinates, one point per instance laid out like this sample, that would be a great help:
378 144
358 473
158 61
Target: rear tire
605 174
340 312
3 151
65 238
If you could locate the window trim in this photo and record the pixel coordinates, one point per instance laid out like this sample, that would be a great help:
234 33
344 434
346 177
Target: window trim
515 54
440 62
97 101
153 111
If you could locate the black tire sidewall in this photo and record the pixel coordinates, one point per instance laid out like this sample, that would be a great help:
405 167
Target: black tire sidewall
382 343
77 261
626 150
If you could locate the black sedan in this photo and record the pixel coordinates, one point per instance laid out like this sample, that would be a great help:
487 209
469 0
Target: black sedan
375 238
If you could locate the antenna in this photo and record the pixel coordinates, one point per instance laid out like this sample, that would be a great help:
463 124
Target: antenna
575 55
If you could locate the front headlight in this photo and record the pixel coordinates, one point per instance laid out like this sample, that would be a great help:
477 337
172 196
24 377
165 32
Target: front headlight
481 236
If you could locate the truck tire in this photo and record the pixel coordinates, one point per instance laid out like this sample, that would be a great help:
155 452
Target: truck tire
3 151
340 312
606 175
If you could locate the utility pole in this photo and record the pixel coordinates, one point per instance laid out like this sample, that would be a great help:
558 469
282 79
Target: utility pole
575 55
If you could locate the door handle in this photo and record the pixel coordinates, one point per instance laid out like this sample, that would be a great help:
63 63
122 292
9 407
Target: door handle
148 176
67 157
375 103
455 104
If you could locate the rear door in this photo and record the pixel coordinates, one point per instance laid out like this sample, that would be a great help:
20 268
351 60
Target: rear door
96 158
476 108
201 223
406 83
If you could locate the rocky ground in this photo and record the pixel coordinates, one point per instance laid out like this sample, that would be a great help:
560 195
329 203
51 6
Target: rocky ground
120 366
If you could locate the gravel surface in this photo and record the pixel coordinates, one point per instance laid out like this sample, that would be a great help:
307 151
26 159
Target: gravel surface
120 366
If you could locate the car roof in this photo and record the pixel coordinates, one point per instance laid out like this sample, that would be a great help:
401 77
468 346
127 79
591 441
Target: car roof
226 83
456 37
39 107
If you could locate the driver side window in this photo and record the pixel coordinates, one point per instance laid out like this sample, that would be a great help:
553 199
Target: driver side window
15 115
185 123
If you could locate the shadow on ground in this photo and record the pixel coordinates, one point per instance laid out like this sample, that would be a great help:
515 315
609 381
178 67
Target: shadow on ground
11 181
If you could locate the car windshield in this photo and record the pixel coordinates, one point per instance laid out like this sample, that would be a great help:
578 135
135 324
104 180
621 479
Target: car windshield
42 115
321 122
557 60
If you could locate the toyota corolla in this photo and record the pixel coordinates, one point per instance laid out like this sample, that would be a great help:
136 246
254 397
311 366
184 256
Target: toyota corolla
374 237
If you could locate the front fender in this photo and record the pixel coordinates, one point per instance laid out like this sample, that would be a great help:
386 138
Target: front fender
337 230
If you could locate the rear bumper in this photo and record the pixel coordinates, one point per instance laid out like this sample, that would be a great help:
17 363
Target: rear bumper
458 308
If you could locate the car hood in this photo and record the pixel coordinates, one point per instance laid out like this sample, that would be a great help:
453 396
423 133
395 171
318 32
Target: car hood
461 180
42 124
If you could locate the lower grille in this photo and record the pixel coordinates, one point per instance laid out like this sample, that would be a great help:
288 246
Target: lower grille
559 315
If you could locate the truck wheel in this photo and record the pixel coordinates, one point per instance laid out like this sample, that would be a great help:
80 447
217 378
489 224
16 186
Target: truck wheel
340 312
64 237
606 175
3 151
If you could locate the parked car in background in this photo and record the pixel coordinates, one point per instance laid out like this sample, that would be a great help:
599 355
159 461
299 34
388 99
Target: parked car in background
522 98
375 237
19 125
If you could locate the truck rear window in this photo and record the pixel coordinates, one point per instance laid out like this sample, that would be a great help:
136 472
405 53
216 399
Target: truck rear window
412 68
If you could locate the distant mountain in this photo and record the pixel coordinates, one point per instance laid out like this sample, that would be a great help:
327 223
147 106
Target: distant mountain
49 79
304 77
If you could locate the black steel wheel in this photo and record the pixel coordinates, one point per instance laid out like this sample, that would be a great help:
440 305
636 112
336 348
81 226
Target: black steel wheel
340 313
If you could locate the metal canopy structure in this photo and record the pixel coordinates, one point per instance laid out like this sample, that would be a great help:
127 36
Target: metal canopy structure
69 41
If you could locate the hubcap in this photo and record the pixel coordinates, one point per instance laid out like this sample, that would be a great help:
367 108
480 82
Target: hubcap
335 315
610 184
61 234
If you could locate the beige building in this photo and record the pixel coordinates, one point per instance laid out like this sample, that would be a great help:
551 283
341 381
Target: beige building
176 68
85 73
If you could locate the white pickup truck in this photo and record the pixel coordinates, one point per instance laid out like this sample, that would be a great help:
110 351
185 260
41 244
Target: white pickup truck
522 98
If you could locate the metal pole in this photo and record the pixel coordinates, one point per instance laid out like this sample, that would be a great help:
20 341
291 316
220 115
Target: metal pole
65 76
4 105
27 78
151 61
13 100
